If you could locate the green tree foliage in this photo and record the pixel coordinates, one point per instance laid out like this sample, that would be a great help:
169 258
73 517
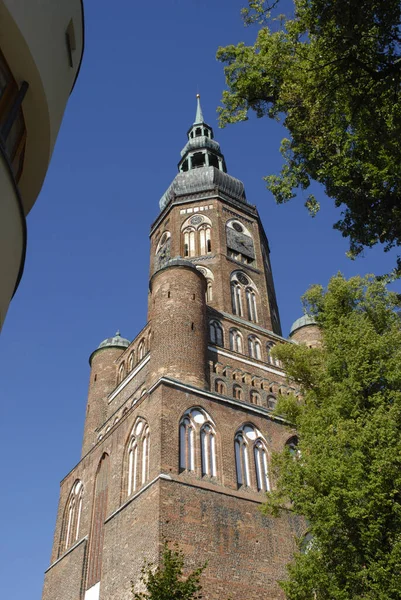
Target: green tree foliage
332 71
167 582
345 478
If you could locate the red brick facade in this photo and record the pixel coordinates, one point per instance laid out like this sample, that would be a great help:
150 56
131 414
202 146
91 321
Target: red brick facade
177 414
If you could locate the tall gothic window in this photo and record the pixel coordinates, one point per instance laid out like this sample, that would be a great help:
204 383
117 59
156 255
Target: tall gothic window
137 460
251 305
189 241
216 333
251 456
270 359
141 350
197 431
236 298
196 236
131 361
121 373
209 282
243 289
236 340
254 347
72 517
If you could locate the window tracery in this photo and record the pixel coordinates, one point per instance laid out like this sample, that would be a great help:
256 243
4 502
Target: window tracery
254 347
250 447
216 333
209 282
137 456
196 430
243 287
236 341
196 236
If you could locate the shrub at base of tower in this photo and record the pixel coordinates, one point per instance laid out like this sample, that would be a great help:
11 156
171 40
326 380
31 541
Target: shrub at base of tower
345 475
167 581
332 70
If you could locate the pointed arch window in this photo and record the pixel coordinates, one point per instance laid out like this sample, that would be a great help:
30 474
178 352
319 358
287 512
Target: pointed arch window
220 386
236 341
216 333
254 347
121 373
141 350
137 457
208 450
270 359
197 431
189 241
243 287
251 455
262 478
205 244
72 517
254 398
251 305
131 361
236 298
237 392
196 235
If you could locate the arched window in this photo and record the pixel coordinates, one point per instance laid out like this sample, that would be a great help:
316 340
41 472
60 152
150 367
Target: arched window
197 430
262 478
216 333
137 457
131 361
235 341
254 397
251 305
189 241
220 386
237 392
121 373
196 235
208 450
236 298
141 350
205 244
162 242
254 347
270 359
242 460
209 282
72 517
271 402
250 446
241 284
292 445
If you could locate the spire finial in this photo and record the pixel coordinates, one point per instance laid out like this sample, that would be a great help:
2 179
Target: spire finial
199 114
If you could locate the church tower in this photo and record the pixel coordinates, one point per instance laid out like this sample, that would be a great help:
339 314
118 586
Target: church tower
179 426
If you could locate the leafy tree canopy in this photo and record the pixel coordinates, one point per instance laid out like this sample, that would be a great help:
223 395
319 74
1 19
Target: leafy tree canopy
332 71
167 581
345 478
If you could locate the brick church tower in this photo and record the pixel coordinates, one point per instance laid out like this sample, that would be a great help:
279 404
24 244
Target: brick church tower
179 427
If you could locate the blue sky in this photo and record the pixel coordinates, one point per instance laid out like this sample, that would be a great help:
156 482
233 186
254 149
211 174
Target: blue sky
86 273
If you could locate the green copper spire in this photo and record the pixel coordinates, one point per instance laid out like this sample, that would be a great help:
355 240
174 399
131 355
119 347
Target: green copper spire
199 113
